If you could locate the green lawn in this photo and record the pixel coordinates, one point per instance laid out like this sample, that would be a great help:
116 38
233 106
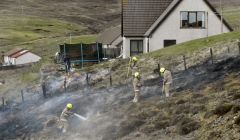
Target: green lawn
232 14
16 29
194 45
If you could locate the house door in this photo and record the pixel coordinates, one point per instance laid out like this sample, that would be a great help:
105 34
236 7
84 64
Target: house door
136 47
168 43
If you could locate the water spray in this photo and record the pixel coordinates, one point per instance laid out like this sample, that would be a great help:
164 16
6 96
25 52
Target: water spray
80 117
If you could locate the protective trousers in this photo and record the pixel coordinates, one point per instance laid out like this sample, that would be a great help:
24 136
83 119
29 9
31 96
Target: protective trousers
167 89
136 88
64 125
136 97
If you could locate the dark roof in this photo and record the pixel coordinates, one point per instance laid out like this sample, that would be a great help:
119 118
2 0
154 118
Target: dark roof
109 35
142 17
139 15
20 53
13 51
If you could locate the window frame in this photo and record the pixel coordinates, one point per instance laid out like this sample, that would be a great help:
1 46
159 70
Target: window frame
138 50
196 12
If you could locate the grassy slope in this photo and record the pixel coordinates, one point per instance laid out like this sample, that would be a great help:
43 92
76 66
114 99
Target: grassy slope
194 45
231 14
120 67
41 36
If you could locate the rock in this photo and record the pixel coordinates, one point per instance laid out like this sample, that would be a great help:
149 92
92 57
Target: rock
222 109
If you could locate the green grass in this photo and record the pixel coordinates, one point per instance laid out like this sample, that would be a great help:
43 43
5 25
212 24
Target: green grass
232 14
15 29
191 46
41 36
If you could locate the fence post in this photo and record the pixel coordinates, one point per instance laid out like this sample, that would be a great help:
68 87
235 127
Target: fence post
22 96
3 103
87 78
184 62
159 69
211 52
98 52
65 84
228 49
110 79
239 47
81 55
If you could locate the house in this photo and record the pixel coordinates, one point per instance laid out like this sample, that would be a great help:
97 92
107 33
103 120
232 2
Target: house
20 56
111 40
149 25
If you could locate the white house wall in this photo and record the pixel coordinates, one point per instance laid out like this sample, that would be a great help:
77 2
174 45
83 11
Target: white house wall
170 28
126 44
117 41
27 58
6 60
9 61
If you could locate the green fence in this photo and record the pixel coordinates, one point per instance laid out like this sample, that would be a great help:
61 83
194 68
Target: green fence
82 53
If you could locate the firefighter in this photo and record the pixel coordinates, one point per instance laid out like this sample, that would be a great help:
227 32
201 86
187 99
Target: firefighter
136 86
65 115
133 65
167 81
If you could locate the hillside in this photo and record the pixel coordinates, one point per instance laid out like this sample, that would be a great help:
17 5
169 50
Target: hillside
40 25
93 14
206 96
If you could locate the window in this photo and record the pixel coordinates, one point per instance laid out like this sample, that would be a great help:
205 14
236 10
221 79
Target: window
192 19
136 47
168 43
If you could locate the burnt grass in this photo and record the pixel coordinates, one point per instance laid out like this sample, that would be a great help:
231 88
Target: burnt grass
200 108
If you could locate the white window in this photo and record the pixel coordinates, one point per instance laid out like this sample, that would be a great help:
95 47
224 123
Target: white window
192 19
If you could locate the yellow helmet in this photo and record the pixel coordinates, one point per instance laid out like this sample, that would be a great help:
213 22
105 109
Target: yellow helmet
69 106
134 59
137 75
162 70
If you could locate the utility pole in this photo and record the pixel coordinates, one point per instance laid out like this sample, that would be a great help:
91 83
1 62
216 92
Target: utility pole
221 8
207 27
